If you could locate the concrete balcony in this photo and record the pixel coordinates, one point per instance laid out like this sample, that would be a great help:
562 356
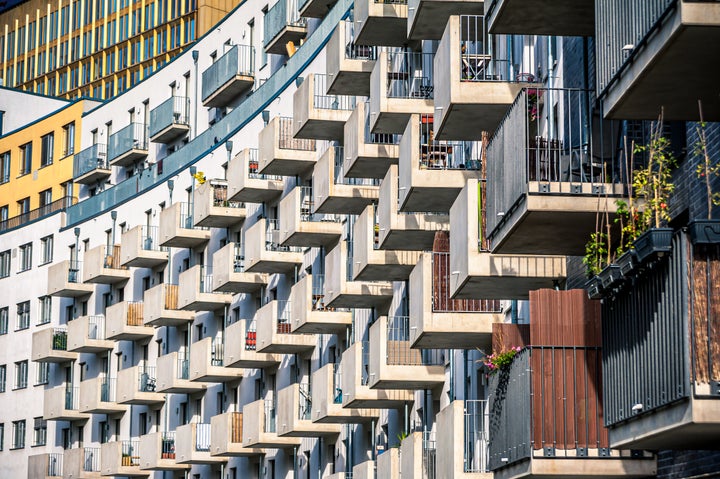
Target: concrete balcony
161 307
121 458
173 375
241 352
230 76
381 23
559 17
436 319
393 365
315 8
246 184
86 334
301 226
478 88
103 266
260 427
195 292
404 231
45 466
50 345
124 321
226 436
207 362
212 207
99 396
128 146
192 445
364 470
177 228
372 264
418 455
334 193
273 331
367 154
427 18
140 248
327 398
62 403
90 166
282 25
477 273
279 153
138 385
81 463
400 85
310 314
229 275
263 251
157 452
355 380
64 280
388 464
348 65
432 172
170 120
462 440
317 114
294 414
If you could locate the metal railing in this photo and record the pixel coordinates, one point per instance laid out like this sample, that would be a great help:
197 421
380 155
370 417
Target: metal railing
217 352
90 159
147 379
478 61
130 453
399 352
339 171
282 15
410 75
202 437
111 257
307 207
284 312
58 205
324 101
446 155
59 339
149 239
429 457
186 217
183 371
391 2
220 195
337 384
270 417
55 464
253 167
475 444
251 335
272 232
91 459
365 369
206 277
73 274
304 402
442 302
357 52
173 111
108 390
167 445
132 137
72 398
238 258
286 140
238 61
96 327
378 138
318 292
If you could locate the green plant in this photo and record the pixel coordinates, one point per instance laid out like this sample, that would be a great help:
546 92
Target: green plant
400 438
497 361
706 169
596 252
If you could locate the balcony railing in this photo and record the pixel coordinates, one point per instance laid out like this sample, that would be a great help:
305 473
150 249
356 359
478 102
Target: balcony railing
307 205
91 459
442 302
410 75
446 155
217 352
286 140
365 374
282 15
337 384
398 346
202 437
239 259
147 379
132 137
324 101
173 111
149 239
111 257
357 52
167 443
108 389
476 423
96 327
378 138
477 61
253 168
251 336
304 402
130 451
272 230
58 205
55 464
238 61
183 367
89 159
284 317
339 171
206 276
270 417
59 340
72 398
429 456
220 196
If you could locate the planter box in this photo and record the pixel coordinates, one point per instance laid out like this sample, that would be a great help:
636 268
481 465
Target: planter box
610 276
704 231
628 262
653 242
594 288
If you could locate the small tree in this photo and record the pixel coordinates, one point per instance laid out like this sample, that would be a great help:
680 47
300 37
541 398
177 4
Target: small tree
706 170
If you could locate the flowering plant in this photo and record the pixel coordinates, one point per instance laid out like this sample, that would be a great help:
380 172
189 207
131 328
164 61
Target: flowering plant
498 361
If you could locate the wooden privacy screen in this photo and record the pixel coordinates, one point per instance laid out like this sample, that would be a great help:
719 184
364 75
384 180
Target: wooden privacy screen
236 431
171 296
135 314
705 306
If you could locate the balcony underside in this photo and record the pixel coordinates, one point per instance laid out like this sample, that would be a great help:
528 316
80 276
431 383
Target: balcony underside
143 399
354 297
226 93
250 361
429 17
490 280
430 198
318 128
390 122
183 386
272 441
335 413
324 322
93 346
442 330
205 304
316 8
354 202
373 166
221 217
185 238
384 272
131 333
285 348
389 29
111 277
467 121
287 34
129 157
73 290
351 81
286 165
404 240
215 374
257 195
314 234
420 380
579 468
275 265
378 399
569 18
147 259
93 176
242 283
170 317
170 133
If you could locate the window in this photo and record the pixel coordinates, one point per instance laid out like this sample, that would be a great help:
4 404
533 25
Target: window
23 206
46 149
5 167
25 257
2 436
39 432
23 315
25 158
46 249
21 374
5 264
18 434
4 315
43 372
4 213
69 139
3 377
45 197
45 309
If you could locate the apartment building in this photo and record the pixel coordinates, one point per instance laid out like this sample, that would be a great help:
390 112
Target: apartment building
297 246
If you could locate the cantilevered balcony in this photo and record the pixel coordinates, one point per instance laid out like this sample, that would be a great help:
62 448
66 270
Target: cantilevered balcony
170 120
157 452
82 463
401 84
246 184
348 64
273 322
381 22
283 24
310 314
86 334
427 18
62 403
318 114
124 321
432 172
333 192
300 225
65 280
436 318
212 207
192 445
128 145
241 352
90 166
207 361
418 455
462 440
388 464
638 51
104 266
121 458
279 153
161 307
315 8
140 248
46 466
99 396
226 436
196 292
260 427
294 415
549 174
177 227
229 275
138 385
50 345
229 76
173 374
355 380
570 18
327 398
476 273
478 88
367 154
263 251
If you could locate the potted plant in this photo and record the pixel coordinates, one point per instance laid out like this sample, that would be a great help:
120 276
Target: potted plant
596 251
706 231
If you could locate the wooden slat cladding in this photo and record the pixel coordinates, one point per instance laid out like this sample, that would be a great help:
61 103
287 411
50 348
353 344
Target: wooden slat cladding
564 318
112 258
135 314
171 296
705 306
236 427
507 335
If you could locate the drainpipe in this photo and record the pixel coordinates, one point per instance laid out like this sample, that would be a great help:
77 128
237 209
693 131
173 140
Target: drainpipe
464 377
171 187
451 391
195 56
373 442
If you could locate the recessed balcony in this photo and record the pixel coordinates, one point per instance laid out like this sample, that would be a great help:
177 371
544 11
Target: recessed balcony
283 24
128 146
192 445
99 396
45 466
477 273
260 427
173 374
229 76
310 314
333 193
300 225
568 18
90 166
427 18
229 275
81 463
242 351
103 266
226 436
318 114
50 345
140 248
367 154
274 324
394 365
86 334
161 307
196 291
177 227
294 417
138 385
327 398
264 252
121 458
246 184
279 153
124 321
207 362
65 280
213 208
62 403
381 22
157 452
170 120
348 64
462 440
